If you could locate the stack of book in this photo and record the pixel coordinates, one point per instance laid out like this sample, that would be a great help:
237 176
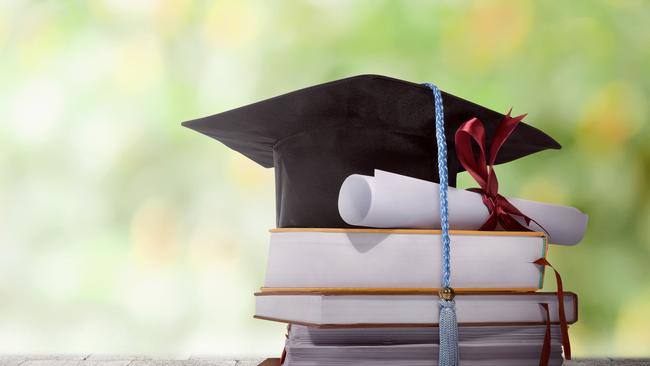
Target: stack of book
370 297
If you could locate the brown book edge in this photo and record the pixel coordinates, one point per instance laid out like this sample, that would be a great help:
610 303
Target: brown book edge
385 291
396 325
415 291
270 362
408 231
393 325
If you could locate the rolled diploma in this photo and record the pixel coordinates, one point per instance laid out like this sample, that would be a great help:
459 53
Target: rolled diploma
390 200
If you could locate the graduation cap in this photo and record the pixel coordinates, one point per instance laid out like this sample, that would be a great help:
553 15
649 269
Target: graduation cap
317 136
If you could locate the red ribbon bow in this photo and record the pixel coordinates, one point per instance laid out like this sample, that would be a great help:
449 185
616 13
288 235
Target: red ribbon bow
501 211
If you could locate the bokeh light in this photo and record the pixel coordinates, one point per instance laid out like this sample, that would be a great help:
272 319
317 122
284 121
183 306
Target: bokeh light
122 232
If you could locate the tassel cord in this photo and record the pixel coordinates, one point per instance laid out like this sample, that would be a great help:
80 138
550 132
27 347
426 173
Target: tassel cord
448 325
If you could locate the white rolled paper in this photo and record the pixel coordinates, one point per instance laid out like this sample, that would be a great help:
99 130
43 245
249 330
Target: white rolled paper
390 200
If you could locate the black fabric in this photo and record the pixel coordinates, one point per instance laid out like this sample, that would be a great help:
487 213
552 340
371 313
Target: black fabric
316 137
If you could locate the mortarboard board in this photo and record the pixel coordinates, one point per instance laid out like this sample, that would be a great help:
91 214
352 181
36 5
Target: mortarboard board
318 136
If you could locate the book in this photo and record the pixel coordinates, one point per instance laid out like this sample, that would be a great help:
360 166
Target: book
410 310
404 346
403 259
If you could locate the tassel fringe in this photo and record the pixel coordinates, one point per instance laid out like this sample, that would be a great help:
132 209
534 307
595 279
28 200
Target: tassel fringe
448 352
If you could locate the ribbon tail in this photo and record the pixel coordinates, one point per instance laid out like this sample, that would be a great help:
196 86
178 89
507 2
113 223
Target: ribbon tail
510 224
564 327
448 351
283 356
491 223
511 211
540 226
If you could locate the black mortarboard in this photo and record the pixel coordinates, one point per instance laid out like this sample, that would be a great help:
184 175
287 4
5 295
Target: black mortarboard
317 136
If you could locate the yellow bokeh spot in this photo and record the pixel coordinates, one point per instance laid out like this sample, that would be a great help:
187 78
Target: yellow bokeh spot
139 63
172 15
153 234
491 32
231 24
632 334
40 41
543 190
246 173
611 117
212 248
4 29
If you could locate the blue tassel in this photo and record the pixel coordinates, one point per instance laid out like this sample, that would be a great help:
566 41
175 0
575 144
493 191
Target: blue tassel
448 351
448 326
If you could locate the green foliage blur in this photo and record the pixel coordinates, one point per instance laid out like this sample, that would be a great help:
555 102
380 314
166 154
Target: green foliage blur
122 232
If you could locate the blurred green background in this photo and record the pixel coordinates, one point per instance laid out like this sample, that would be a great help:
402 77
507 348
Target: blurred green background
121 232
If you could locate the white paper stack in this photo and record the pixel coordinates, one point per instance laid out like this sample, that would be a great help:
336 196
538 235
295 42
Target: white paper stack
486 345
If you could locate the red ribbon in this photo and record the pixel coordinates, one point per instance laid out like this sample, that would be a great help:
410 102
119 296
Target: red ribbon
283 356
481 169
564 327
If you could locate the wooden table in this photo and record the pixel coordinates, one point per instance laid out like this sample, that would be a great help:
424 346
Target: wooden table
109 360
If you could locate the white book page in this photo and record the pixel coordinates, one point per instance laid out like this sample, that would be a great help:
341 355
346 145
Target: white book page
320 259
411 309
